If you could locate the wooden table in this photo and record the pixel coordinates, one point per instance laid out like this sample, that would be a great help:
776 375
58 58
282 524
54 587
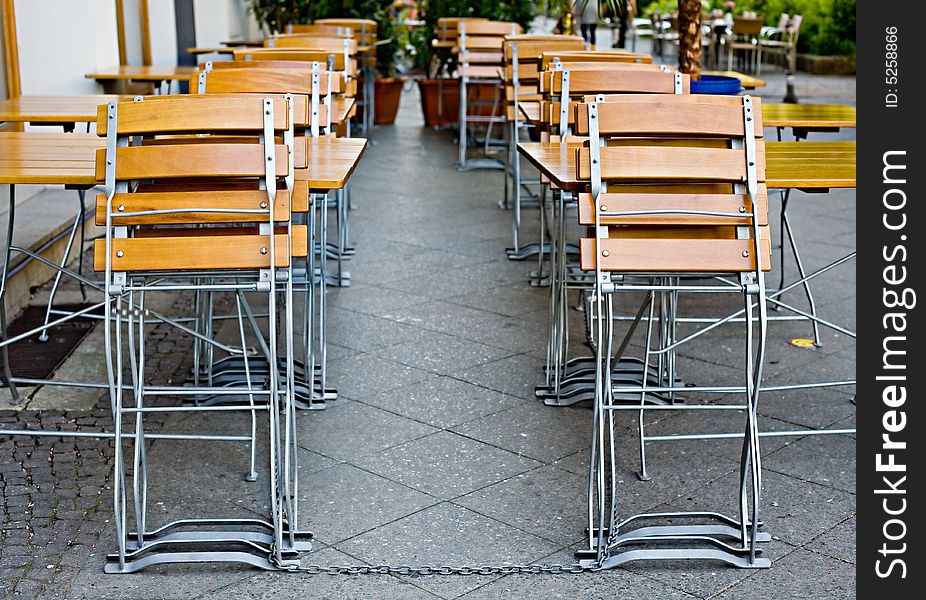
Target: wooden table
331 161
810 166
747 81
49 158
57 110
806 118
115 77
808 115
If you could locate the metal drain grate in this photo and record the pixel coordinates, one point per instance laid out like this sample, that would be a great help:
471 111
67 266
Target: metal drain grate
33 359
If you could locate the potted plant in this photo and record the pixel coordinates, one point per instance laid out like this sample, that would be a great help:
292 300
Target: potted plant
274 15
440 96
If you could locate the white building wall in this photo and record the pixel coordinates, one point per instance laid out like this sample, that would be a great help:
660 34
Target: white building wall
60 41
163 28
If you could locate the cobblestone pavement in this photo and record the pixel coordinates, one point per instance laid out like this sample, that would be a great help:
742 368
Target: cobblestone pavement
436 451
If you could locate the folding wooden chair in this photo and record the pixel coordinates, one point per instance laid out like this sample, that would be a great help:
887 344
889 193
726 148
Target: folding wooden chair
313 367
679 230
480 60
571 380
522 54
161 236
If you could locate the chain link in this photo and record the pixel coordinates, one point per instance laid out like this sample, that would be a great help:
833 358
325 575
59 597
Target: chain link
445 570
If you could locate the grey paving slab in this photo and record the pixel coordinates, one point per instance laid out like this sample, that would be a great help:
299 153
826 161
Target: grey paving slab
441 353
342 501
373 300
448 534
361 375
346 430
531 429
515 375
788 579
445 465
547 502
826 460
475 325
838 542
816 408
511 300
365 332
443 401
613 583
173 582
794 511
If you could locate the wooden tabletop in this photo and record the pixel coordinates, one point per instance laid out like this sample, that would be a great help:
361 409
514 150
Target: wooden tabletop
331 161
49 158
144 73
810 165
54 109
215 49
747 81
801 165
808 116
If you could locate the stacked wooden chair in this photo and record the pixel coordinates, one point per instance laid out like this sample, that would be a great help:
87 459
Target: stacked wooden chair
340 90
480 61
570 380
365 34
251 78
675 190
179 215
522 56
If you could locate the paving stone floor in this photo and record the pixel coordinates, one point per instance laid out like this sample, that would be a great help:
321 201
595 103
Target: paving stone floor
436 451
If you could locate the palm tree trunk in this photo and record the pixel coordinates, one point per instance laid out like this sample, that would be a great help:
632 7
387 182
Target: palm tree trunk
689 37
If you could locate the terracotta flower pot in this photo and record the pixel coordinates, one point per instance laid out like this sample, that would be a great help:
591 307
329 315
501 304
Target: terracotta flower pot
388 92
447 111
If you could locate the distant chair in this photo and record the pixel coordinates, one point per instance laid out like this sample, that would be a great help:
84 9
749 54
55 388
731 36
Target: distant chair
745 36
783 39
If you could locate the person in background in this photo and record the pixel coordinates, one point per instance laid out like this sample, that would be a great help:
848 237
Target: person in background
588 20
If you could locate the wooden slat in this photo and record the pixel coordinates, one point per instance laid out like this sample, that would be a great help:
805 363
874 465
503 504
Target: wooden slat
193 114
610 81
673 199
192 253
593 56
809 116
213 199
192 160
670 114
675 255
666 163
295 54
264 80
315 43
532 47
144 73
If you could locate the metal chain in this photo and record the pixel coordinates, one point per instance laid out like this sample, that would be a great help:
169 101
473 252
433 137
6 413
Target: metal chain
424 570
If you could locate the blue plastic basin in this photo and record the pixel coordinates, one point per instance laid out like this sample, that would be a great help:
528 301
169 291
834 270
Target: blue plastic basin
716 84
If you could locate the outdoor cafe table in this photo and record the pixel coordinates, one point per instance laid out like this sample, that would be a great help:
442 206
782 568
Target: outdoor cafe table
809 166
115 77
54 110
806 118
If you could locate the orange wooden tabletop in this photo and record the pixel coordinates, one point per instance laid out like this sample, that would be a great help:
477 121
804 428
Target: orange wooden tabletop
48 158
808 116
54 109
802 165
